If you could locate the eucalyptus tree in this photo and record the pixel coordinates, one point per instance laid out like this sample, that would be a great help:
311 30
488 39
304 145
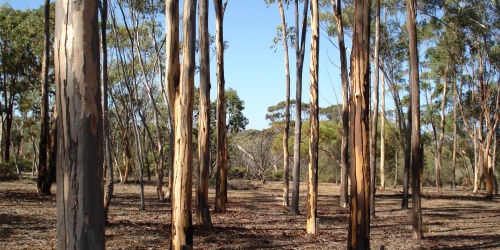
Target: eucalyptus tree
299 55
416 138
221 158
108 166
44 182
202 206
21 49
337 10
172 70
374 124
80 209
312 184
359 217
182 225
286 129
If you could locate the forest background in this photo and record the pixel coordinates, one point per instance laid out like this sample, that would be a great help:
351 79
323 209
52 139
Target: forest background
453 50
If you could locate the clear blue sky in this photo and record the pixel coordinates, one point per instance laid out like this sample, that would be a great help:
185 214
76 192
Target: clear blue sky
252 68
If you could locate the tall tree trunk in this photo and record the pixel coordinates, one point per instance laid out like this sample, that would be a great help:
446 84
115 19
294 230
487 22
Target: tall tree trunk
8 131
382 137
202 208
221 158
43 184
286 131
477 163
455 137
172 72
109 186
441 135
344 154
139 158
407 158
299 54
182 224
416 138
312 184
373 133
359 219
80 194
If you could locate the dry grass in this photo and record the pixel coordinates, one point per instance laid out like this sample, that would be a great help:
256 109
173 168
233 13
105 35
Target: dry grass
256 220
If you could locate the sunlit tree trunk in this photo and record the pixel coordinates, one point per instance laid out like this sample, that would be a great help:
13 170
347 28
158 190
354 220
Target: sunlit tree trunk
382 137
373 129
299 54
221 158
44 182
359 219
172 69
286 155
344 154
416 139
312 184
182 225
80 195
202 208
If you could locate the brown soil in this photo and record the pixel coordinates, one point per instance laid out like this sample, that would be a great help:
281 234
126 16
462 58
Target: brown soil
256 220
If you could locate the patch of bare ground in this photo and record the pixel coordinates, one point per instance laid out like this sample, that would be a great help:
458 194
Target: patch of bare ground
256 220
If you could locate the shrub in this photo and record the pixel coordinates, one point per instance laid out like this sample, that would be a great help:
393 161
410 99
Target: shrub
240 185
8 171
277 175
236 172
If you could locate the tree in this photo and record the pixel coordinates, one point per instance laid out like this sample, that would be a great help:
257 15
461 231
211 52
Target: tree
109 186
299 54
172 71
202 207
373 129
416 138
221 158
286 129
80 209
182 225
312 186
44 179
359 217
344 158
382 137
21 46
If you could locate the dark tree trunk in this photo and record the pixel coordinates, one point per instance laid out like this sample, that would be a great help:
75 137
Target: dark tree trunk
202 208
416 138
344 155
43 184
299 53
109 186
221 158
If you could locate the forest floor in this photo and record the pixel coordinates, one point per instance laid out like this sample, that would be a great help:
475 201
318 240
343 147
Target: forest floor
256 220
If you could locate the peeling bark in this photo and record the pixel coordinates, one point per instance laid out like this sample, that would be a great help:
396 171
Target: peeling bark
312 184
359 219
80 210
